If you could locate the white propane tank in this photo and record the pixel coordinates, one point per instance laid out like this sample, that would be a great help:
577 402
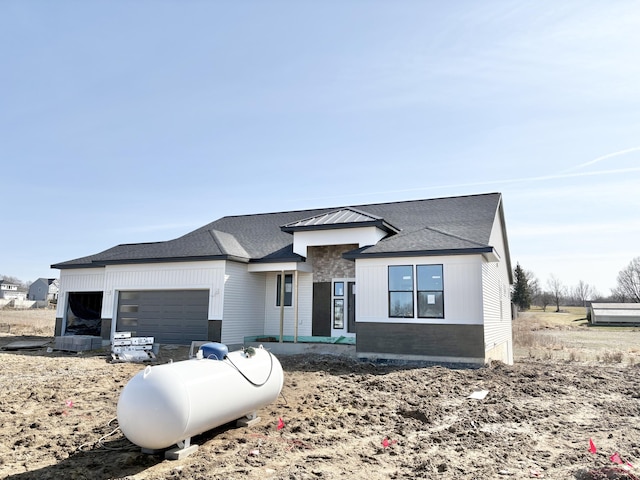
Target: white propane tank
167 404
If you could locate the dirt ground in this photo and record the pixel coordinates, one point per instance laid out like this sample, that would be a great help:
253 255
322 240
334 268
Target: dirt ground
342 419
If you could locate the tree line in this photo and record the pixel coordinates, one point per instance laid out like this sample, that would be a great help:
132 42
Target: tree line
528 291
15 281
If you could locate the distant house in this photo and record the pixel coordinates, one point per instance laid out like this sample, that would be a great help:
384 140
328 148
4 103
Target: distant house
425 280
615 313
11 291
44 289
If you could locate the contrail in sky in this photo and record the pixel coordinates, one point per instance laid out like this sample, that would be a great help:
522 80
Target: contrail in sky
603 157
553 176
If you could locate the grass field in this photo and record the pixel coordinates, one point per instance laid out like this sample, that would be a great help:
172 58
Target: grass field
567 336
40 321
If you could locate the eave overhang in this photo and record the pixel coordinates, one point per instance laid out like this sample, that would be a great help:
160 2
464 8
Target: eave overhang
381 224
138 261
360 253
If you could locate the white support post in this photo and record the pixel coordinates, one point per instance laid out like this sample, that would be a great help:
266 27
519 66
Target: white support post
295 301
282 291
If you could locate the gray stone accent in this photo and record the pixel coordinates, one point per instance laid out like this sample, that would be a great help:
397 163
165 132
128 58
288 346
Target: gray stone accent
327 262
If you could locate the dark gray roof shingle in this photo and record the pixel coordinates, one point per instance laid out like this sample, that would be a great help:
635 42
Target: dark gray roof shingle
443 224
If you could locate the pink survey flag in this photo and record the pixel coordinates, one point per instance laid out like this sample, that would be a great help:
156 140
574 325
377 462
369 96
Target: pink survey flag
592 446
615 458
280 424
386 443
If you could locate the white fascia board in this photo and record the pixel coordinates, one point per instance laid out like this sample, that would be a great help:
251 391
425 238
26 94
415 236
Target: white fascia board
491 256
362 236
279 267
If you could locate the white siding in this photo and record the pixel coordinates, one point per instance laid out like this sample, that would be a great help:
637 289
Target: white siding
497 299
339 236
78 280
166 276
272 312
372 294
462 288
243 303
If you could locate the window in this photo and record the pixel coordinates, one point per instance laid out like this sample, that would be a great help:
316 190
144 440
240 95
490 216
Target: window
401 291
288 289
430 291
338 313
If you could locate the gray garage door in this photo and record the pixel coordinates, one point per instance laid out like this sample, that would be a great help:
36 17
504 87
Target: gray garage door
171 316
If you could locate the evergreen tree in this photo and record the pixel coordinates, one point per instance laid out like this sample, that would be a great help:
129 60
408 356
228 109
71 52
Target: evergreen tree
521 294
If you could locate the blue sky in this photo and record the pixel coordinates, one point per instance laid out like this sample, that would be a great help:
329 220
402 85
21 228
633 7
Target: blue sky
138 121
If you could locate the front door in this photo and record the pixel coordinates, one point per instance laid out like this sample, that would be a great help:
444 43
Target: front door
343 307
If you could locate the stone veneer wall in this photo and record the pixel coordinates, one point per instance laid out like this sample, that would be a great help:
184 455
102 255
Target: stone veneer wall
327 262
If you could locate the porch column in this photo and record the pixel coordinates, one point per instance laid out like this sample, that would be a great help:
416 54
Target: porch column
295 302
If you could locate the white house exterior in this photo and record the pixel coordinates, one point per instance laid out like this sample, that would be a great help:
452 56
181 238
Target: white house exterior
425 280
11 291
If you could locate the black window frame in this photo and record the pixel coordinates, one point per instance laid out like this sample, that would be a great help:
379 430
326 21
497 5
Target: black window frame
438 292
390 292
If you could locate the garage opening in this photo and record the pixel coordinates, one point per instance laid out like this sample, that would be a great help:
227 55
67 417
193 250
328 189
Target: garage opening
84 314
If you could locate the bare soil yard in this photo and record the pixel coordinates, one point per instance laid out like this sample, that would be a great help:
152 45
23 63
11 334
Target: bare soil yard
342 419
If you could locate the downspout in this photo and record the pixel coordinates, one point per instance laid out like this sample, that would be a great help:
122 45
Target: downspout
282 282
295 318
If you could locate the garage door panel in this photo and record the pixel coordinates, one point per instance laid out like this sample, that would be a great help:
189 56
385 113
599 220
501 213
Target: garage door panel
171 316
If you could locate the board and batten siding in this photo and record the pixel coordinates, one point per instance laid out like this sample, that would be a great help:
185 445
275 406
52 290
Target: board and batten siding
498 337
462 289
78 280
166 276
456 338
305 307
244 309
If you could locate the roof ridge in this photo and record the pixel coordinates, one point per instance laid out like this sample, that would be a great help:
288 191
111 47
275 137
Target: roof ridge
214 237
218 237
360 205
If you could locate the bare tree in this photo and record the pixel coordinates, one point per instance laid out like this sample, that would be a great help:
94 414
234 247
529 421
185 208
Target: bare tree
556 289
545 299
583 292
629 281
534 287
617 296
13 280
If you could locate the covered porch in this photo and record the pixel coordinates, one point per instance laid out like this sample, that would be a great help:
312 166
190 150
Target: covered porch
290 345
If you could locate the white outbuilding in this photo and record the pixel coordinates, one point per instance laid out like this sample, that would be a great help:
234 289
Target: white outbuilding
615 313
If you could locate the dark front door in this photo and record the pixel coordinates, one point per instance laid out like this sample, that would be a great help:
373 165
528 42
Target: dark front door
321 316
